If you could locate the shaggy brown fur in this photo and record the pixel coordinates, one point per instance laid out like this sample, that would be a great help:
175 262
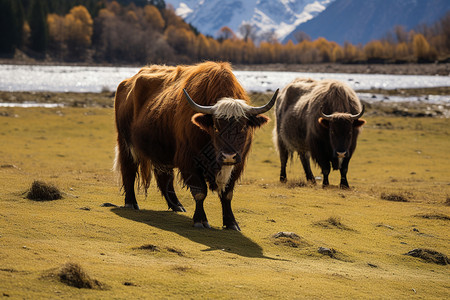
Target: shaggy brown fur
300 126
159 131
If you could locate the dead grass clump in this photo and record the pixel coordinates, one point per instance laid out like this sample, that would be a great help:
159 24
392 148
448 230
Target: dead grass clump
149 247
447 201
41 191
429 255
397 197
296 184
72 274
289 239
176 251
333 222
436 216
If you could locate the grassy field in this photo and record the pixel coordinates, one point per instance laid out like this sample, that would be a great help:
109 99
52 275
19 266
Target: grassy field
155 253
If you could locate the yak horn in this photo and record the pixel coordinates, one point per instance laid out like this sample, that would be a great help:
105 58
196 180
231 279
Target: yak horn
357 116
264 108
326 117
196 107
352 117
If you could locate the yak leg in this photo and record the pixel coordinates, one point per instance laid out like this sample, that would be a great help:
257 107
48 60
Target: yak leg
304 158
164 181
199 190
325 166
229 222
344 169
284 155
128 169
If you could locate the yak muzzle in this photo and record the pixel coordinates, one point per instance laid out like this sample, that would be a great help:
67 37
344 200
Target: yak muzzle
230 159
341 154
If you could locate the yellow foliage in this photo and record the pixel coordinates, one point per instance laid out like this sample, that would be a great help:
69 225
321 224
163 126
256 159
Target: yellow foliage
105 13
78 27
401 51
56 28
153 16
374 50
421 48
338 54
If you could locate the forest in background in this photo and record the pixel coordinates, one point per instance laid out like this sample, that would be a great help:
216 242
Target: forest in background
144 32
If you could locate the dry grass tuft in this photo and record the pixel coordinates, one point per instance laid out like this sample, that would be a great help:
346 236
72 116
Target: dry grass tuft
296 184
41 191
429 255
289 239
397 197
149 247
435 216
447 201
333 222
72 274
176 251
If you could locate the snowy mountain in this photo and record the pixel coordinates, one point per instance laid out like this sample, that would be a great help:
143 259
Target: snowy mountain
359 21
277 17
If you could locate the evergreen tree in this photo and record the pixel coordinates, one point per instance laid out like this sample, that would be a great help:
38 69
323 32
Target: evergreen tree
19 16
7 43
11 24
38 27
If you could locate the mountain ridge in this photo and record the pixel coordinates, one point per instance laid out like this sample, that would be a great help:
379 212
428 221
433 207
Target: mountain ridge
362 21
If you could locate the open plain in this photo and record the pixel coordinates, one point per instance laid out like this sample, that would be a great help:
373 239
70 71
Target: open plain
297 240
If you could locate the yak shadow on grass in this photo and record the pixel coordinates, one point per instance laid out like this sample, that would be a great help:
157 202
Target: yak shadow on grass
215 239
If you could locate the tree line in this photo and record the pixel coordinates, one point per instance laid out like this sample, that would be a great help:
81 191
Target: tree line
146 31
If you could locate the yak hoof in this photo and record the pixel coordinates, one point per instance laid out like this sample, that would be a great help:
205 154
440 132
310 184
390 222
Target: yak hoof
206 224
178 208
133 206
233 227
283 179
198 225
203 224
344 187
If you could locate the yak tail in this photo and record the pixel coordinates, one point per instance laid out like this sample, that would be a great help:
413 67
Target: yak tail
144 170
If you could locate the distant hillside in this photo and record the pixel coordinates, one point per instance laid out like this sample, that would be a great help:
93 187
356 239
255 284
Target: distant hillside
359 21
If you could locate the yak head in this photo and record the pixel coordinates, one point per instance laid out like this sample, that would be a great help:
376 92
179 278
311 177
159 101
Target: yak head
230 123
343 129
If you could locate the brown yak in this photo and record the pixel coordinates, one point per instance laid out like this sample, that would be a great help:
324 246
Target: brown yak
207 137
318 119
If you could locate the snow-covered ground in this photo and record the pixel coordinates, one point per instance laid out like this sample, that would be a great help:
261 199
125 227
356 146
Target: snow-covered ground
97 79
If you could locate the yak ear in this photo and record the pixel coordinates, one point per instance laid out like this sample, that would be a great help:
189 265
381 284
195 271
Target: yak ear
359 123
203 121
324 123
257 121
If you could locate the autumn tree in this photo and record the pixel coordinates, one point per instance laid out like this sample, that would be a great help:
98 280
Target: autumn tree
421 48
374 51
154 18
78 26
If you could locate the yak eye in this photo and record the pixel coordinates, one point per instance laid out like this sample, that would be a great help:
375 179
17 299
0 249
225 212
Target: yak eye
216 129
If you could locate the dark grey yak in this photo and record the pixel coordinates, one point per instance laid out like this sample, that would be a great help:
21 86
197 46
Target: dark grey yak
318 119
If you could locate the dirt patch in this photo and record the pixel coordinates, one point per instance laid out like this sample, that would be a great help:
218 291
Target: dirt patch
430 256
41 191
